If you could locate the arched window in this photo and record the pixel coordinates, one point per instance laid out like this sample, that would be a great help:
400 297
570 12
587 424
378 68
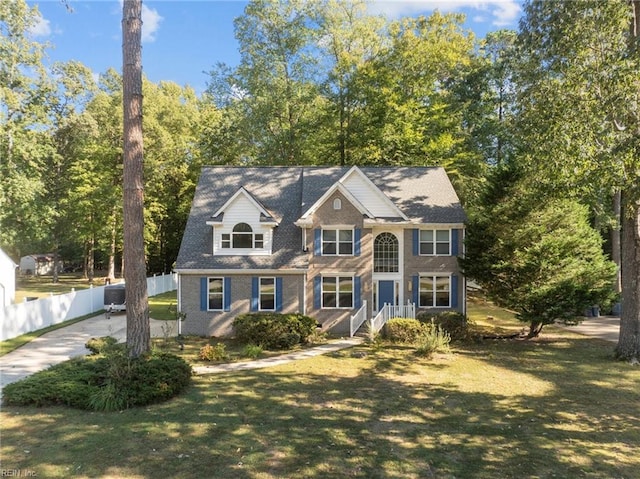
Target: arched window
385 253
242 236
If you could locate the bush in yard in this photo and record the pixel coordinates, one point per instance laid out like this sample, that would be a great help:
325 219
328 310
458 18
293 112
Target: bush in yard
433 339
274 330
252 351
216 352
100 345
452 322
403 330
108 382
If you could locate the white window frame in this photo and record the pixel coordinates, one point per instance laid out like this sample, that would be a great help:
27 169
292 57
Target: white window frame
337 241
434 242
336 282
209 293
227 239
434 292
260 293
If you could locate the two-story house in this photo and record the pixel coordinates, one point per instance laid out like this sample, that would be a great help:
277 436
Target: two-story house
324 241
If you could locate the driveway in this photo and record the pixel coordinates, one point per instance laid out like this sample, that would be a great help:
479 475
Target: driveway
604 327
66 343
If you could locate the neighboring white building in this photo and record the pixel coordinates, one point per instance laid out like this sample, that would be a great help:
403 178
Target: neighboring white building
38 264
7 280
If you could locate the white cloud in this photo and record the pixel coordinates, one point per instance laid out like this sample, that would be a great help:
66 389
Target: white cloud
41 29
503 12
150 23
506 13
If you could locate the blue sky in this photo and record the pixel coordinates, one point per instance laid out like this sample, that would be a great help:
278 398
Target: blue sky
184 39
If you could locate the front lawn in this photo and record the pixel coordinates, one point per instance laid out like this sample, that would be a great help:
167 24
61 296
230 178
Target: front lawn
558 407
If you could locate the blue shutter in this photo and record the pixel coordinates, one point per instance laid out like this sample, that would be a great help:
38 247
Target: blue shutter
278 294
317 292
416 242
454 242
357 295
357 236
454 290
255 293
317 242
416 290
227 294
204 294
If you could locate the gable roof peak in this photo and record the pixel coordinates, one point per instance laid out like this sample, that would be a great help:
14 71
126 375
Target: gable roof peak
265 214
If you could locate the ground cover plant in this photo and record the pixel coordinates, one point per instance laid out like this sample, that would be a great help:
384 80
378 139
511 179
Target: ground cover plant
107 380
557 406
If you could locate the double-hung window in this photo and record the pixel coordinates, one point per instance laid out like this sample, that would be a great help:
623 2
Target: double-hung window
435 291
337 292
337 242
435 242
215 294
267 294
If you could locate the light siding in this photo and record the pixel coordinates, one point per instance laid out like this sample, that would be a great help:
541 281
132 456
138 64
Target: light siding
242 210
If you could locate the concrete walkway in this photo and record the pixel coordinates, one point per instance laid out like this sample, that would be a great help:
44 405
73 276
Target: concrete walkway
604 327
282 359
66 343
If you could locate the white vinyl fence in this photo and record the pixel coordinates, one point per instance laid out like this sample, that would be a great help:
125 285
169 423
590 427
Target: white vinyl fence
21 318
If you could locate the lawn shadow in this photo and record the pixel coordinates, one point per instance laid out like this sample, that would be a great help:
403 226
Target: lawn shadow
509 409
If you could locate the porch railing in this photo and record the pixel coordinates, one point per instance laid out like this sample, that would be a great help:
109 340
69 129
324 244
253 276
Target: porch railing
358 318
389 311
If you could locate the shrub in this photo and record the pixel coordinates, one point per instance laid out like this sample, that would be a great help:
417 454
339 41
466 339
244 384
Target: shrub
141 381
403 330
252 351
216 352
100 345
274 330
107 383
452 322
433 339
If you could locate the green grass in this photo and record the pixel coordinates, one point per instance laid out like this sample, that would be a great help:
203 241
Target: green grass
43 286
556 407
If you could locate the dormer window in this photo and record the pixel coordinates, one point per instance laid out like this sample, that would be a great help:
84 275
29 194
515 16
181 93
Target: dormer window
242 237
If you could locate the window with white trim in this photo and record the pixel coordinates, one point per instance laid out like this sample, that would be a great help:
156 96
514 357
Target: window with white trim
267 294
385 253
435 291
242 237
337 292
216 294
337 242
435 242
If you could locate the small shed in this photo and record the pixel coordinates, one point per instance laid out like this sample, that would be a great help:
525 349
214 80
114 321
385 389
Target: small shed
7 280
38 264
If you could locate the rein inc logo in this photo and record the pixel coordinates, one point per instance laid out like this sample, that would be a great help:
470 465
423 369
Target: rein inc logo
18 473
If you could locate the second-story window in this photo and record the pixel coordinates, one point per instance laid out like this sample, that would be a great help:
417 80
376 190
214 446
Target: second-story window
435 242
385 253
242 237
337 242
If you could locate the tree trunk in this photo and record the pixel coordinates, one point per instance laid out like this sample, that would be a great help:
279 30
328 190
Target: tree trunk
535 328
628 348
138 331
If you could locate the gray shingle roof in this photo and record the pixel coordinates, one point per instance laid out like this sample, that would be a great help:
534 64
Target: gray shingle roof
425 195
